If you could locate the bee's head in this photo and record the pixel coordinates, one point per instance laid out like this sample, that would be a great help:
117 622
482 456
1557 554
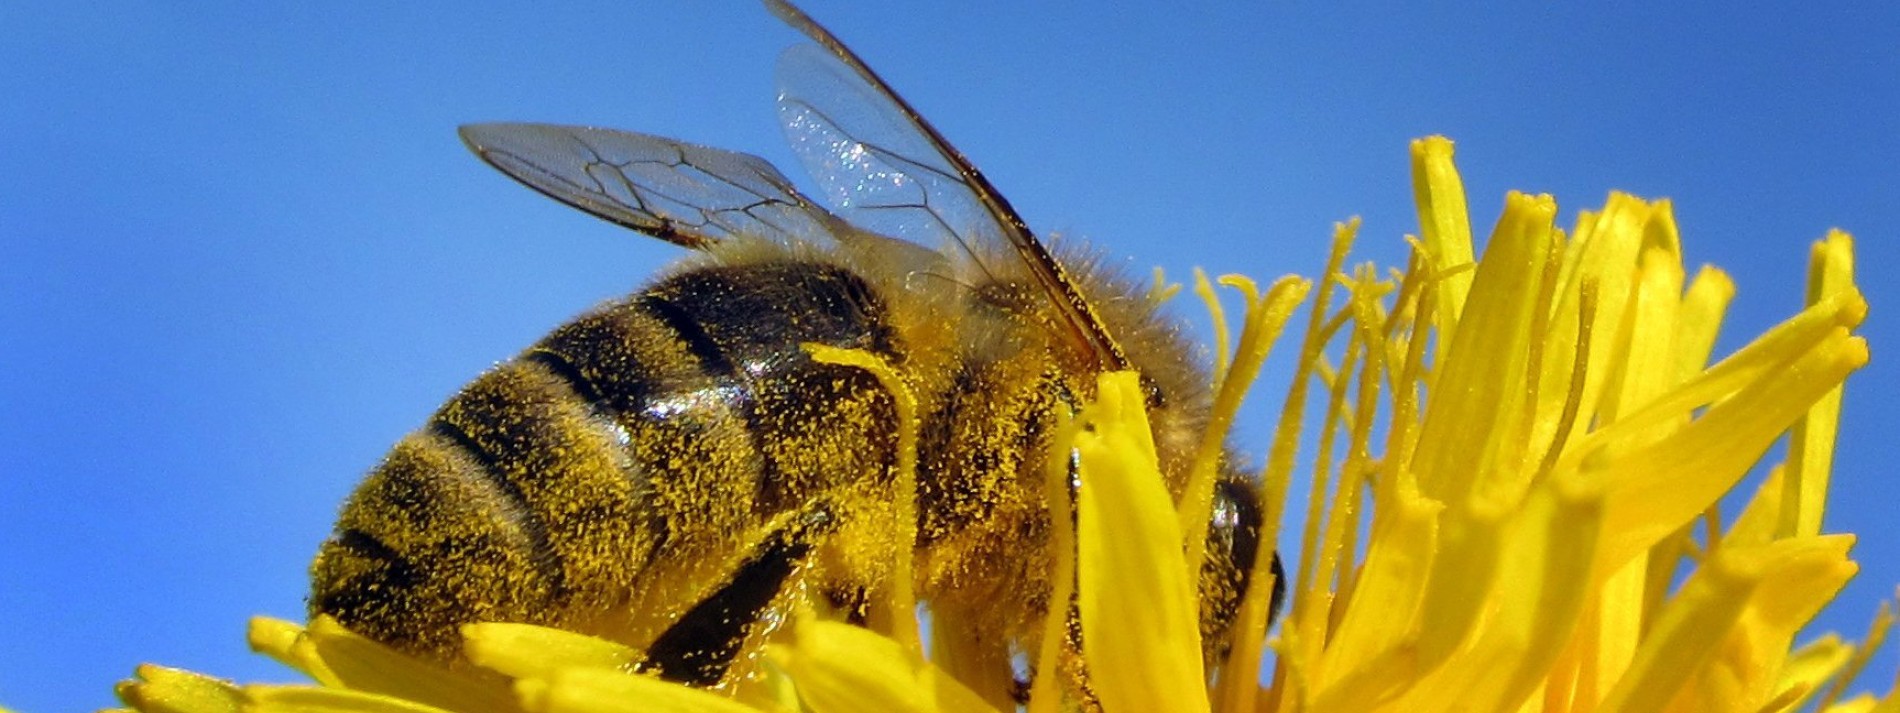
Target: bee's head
1179 401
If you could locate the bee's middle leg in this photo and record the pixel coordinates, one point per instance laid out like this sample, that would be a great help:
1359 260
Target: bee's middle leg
700 647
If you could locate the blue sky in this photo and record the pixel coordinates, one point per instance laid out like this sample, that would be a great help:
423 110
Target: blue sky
242 251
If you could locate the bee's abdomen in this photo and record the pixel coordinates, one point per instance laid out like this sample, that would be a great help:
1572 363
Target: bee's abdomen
512 500
662 425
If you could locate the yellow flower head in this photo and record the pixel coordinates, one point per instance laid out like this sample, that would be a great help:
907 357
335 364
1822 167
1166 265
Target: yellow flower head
1556 437
1517 454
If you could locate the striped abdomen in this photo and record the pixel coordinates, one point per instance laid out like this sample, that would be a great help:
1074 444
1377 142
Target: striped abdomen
607 477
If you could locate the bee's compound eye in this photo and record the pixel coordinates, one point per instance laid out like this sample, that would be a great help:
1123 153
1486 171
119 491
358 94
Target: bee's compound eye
1233 540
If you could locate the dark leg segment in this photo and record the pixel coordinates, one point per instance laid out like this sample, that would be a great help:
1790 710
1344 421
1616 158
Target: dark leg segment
699 648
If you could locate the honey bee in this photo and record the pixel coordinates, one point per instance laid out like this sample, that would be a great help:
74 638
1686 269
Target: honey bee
673 471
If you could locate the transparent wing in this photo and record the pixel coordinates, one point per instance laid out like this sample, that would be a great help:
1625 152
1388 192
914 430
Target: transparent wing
889 170
682 193
870 163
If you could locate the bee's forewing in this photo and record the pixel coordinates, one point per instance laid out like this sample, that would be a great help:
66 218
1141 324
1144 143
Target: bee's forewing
888 168
682 193
871 164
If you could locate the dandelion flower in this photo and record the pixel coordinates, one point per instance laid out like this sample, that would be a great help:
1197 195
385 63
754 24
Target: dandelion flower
1519 451
1556 436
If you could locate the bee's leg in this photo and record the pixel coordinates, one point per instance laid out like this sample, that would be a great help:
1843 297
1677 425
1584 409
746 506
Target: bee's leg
699 648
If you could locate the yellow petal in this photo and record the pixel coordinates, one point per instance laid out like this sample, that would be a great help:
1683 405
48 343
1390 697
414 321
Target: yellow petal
1811 451
301 699
168 690
592 690
1781 581
526 651
1812 666
1533 611
1479 387
1861 704
839 668
1370 657
361 664
1140 626
1656 489
283 641
1444 224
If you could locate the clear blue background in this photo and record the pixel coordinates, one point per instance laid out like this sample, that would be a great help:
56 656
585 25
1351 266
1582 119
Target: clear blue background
242 251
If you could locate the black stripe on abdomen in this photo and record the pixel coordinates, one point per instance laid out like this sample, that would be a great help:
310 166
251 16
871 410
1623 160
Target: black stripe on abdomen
516 506
746 326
